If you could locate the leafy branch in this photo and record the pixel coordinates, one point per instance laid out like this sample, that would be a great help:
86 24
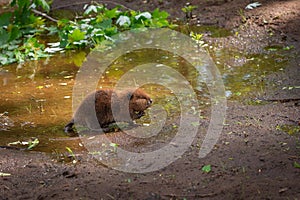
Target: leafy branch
21 30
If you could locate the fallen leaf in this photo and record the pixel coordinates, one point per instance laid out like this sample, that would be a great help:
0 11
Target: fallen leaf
4 174
296 165
206 168
253 5
283 190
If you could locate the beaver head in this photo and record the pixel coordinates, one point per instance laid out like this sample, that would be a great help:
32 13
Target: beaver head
139 101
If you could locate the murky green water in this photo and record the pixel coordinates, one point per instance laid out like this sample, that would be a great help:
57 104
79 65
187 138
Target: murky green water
36 96
245 75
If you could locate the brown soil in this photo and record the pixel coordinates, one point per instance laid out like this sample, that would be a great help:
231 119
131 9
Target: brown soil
252 159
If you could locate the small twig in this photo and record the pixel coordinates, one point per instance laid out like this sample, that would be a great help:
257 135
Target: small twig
44 15
90 2
64 139
73 4
110 196
280 100
191 196
293 157
47 16
117 4
12 147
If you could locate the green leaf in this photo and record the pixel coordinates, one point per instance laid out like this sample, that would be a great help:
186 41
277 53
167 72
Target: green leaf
22 4
159 18
288 48
160 23
159 14
4 36
63 40
3 59
113 145
112 13
104 24
133 13
15 33
33 143
22 12
296 165
13 3
63 22
43 4
76 35
5 18
206 168
110 31
52 30
71 152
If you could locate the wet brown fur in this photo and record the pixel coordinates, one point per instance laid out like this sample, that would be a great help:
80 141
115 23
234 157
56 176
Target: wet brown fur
133 101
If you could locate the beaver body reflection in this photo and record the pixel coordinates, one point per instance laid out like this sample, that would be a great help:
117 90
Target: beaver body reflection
97 108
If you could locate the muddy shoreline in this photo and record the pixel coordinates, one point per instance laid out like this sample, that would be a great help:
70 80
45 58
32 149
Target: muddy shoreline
253 159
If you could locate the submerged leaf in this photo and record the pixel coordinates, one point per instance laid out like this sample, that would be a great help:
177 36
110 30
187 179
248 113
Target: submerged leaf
79 58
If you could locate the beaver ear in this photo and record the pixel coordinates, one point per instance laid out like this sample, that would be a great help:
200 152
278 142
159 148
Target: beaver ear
129 95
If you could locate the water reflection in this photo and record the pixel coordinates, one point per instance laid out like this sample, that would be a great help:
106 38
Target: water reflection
33 98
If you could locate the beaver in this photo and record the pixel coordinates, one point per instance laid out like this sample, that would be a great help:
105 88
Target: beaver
106 106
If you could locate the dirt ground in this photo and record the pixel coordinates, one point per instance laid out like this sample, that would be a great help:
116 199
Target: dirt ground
251 160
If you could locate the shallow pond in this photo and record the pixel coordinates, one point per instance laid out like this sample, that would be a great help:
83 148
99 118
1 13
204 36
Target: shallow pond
36 97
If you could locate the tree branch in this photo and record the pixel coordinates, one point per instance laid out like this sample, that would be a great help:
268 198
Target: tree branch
85 2
44 15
